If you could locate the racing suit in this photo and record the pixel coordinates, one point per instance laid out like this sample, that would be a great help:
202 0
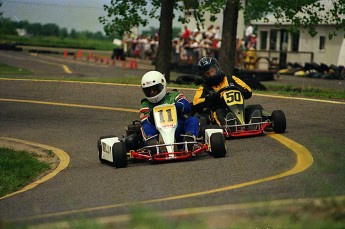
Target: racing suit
186 123
206 99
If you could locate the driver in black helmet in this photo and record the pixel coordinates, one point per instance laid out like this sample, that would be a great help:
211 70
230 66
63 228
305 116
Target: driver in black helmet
206 100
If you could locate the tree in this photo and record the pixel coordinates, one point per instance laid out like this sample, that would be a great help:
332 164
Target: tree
163 58
299 14
229 35
34 29
63 33
50 29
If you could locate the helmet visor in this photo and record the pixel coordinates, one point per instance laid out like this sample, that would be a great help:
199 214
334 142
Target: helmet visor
211 71
153 90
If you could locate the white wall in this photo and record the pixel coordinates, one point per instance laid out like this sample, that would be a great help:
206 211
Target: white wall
332 49
334 52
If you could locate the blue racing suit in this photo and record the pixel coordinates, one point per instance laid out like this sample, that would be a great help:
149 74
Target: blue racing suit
186 123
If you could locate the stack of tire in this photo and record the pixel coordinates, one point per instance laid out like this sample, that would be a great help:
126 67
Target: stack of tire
323 71
314 70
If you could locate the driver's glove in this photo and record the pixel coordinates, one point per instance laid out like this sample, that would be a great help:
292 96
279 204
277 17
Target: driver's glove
151 118
212 98
179 108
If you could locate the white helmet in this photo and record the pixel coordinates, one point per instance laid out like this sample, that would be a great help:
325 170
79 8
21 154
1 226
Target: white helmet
154 85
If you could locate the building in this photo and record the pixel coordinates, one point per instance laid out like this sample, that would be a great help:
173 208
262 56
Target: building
279 45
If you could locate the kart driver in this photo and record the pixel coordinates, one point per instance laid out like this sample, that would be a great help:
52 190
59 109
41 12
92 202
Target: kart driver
153 84
206 98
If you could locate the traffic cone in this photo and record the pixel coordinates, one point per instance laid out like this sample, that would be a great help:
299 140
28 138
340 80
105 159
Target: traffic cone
131 64
123 64
65 53
135 65
80 54
89 56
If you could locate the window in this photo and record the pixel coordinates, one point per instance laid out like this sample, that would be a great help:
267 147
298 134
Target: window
294 41
263 40
284 39
273 39
322 43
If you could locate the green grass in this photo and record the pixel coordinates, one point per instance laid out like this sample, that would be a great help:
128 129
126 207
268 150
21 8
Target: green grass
10 71
57 42
310 92
18 168
318 214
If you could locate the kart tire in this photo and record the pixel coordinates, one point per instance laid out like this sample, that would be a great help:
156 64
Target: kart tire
278 121
99 147
119 155
209 127
218 147
249 110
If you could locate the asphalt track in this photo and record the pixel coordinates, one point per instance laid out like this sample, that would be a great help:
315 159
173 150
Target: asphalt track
68 118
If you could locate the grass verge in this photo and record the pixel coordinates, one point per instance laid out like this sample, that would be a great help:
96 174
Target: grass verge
310 92
13 71
58 42
18 168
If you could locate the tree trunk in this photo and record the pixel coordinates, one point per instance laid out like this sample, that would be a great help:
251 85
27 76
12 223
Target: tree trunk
228 49
163 57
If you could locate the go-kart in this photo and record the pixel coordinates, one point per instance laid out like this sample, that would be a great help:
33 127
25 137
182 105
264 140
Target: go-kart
244 121
119 151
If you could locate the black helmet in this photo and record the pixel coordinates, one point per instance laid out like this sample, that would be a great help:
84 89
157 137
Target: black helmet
204 65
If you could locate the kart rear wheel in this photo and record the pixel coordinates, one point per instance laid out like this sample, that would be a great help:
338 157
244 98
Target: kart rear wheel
119 155
99 147
218 147
278 121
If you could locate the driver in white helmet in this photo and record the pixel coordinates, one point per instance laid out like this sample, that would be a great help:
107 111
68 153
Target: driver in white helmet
153 84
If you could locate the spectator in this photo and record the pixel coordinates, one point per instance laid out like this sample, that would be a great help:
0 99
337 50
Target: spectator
186 34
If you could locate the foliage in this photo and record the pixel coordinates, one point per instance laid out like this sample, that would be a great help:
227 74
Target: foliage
124 15
299 14
8 27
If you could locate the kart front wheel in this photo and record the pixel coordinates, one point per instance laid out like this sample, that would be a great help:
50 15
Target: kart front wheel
119 155
218 147
278 121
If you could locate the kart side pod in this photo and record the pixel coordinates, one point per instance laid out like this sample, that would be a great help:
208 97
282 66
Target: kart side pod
107 145
209 132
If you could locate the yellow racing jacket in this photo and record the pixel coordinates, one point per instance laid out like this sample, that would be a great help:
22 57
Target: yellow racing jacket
199 103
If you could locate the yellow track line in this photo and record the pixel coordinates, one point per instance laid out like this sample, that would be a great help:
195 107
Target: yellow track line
304 160
63 158
66 69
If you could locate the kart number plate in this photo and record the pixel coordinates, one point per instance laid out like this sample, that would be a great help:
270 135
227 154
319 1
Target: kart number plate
232 97
165 115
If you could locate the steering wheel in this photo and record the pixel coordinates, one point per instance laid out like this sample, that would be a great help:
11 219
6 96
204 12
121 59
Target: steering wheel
228 88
